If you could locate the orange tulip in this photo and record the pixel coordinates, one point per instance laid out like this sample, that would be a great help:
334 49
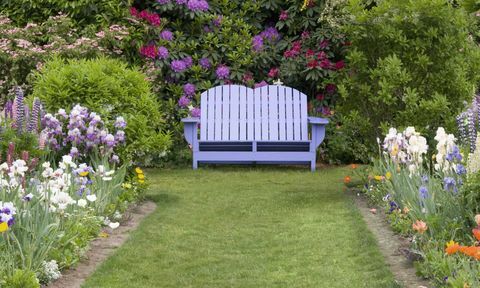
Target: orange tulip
420 226
452 247
347 179
476 233
354 166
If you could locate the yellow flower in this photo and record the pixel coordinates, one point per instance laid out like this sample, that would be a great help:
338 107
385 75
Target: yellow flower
139 170
141 176
3 227
304 6
127 185
378 177
83 174
388 175
141 181
394 150
103 234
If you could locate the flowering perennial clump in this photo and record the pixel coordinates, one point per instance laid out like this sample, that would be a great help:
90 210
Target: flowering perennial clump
83 131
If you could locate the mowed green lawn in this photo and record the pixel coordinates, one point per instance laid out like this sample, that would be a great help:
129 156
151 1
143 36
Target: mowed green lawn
248 227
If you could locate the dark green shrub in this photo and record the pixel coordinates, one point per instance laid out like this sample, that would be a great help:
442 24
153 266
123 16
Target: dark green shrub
109 88
411 63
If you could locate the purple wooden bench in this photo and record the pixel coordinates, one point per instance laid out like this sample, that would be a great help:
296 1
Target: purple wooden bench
265 125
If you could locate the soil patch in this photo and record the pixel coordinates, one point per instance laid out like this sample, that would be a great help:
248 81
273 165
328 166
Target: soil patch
102 248
393 247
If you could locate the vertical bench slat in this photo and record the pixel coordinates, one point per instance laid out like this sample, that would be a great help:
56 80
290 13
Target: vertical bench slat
210 114
204 116
296 115
273 112
234 111
218 113
289 112
225 112
265 99
249 96
281 114
304 117
243 112
257 116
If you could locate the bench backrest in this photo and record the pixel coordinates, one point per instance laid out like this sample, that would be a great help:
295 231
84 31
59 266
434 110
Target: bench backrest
238 113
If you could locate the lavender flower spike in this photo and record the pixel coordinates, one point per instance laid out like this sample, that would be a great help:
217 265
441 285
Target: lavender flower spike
20 109
33 124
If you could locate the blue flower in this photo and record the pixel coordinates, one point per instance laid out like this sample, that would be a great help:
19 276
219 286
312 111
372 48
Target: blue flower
449 184
460 169
423 192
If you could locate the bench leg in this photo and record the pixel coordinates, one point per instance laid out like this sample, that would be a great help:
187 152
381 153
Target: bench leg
312 165
195 164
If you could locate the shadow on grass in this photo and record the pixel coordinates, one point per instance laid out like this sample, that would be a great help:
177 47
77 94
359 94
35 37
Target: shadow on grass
163 199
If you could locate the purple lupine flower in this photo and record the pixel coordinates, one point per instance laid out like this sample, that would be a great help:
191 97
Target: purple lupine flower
162 52
205 63
423 192
120 122
163 2
188 61
257 43
20 109
189 89
8 109
166 35
197 5
178 66
223 72
33 124
183 101
195 112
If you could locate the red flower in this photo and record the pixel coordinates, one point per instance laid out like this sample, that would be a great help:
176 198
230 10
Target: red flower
321 55
153 19
149 51
340 65
312 64
325 64
310 53
144 14
283 15
273 72
320 97
305 34
297 46
133 11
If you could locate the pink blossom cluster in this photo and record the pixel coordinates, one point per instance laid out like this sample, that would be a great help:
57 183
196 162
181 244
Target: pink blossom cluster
152 18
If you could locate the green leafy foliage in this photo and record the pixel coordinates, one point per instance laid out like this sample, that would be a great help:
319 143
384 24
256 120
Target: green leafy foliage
408 66
111 89
84 12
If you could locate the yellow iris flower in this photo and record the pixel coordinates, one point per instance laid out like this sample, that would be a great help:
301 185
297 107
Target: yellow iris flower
388 175
3 227
83 174
378 177
139 170
141 176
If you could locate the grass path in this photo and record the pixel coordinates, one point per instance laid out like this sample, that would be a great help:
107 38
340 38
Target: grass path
225 227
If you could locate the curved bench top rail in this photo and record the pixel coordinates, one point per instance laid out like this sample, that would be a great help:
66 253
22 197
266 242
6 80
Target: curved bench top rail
239 113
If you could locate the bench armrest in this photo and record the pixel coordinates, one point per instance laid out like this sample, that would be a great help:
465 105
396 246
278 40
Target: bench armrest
191 120
317 120
190 131
318 131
